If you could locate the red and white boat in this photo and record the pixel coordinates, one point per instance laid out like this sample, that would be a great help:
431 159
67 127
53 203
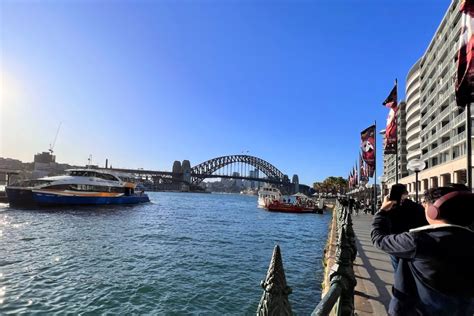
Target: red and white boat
278 206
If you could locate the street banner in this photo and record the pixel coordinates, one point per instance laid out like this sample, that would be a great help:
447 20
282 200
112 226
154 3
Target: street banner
367 146
390 144
363 170
370 171
356 176
465 67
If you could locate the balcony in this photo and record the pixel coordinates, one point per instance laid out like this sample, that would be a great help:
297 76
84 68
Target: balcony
458 138
445 128
445 145
445 112
415 131
413 113
411 124
458 119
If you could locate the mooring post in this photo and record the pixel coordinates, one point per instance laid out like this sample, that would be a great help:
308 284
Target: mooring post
274 299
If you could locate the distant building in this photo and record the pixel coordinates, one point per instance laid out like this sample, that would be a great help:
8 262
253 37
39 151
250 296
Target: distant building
44 165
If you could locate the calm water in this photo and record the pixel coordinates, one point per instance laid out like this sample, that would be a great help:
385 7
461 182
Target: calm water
181 254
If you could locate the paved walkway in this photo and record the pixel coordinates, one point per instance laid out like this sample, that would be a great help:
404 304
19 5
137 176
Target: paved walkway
373 270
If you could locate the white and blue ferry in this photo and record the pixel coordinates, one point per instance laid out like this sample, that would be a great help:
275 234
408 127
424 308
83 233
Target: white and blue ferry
77 187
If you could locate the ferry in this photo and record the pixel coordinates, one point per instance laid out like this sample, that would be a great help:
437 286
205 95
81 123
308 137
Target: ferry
286 207
77 187
268 194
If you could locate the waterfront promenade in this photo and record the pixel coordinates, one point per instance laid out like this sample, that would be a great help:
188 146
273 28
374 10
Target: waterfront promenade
373 271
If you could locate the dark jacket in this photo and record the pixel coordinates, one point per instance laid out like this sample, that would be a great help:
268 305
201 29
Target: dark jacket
436 271
406 216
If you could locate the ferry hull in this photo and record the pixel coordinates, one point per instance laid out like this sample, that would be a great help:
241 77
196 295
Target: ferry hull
29 198
20 197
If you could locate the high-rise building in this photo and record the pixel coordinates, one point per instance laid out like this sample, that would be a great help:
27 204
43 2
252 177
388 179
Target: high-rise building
388 165
413 126
436 127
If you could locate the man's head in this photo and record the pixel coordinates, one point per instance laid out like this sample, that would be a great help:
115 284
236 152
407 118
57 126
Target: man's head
453 204
398 193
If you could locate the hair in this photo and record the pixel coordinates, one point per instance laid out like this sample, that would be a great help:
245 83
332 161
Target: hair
458 211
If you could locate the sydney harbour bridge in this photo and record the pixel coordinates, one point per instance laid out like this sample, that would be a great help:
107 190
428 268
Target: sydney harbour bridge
183 177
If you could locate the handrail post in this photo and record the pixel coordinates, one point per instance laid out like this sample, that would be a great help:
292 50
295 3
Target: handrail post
274 299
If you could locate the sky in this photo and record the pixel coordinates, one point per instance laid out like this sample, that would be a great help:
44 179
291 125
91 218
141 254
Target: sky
144 83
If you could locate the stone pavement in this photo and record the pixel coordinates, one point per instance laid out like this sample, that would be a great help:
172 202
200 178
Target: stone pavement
373 271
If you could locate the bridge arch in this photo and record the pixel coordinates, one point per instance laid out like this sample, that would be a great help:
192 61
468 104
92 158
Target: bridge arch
210 166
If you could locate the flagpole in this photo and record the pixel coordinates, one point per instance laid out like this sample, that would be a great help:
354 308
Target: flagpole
469 146
398 130
374 207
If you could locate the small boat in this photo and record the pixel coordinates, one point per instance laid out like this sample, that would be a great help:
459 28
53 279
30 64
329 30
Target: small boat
277 206
77 187
268 194
296 203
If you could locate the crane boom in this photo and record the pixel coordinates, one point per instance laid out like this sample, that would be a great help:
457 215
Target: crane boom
51 146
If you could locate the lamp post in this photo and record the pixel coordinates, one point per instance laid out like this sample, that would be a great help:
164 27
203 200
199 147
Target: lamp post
382 187
416 165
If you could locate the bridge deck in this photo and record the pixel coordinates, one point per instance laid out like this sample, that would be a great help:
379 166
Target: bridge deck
373 270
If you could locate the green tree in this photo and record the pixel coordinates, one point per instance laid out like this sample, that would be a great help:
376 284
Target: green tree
331 185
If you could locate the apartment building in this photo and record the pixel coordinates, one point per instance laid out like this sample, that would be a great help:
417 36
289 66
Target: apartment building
435 126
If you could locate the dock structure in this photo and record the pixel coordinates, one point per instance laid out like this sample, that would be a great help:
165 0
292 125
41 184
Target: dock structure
373 271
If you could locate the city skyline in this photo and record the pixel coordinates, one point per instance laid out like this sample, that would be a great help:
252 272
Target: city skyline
144 84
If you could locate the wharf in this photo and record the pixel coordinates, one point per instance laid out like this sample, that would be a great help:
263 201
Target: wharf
373 271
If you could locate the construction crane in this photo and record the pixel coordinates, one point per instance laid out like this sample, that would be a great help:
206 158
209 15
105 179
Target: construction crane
51 146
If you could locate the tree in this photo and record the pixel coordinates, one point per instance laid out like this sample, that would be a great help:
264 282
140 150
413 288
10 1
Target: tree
331 185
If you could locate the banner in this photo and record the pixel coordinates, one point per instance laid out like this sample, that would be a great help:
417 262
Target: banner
390 143
363 170
367 146
356 176
465 67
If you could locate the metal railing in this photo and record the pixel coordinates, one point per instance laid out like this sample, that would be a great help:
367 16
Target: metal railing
340 296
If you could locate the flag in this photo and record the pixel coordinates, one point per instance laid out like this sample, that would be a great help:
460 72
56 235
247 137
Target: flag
390 144
392 100
356 177
363 170
370 171
367 146
465 67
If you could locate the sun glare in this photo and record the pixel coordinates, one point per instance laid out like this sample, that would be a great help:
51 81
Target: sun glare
10 91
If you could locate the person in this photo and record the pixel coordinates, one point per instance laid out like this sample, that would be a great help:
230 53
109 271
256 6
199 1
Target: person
351 204
435 275
344 203
405 215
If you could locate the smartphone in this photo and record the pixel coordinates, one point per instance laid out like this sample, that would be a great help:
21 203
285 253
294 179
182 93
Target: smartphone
395 195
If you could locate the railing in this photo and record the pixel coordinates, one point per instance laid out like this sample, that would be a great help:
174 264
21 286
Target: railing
340 296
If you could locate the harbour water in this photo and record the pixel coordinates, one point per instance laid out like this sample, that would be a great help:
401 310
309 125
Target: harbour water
181 254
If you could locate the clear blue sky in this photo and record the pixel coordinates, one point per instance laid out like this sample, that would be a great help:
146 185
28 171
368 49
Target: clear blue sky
145 83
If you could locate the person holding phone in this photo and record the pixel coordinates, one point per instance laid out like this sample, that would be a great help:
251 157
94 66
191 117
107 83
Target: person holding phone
435 274
404 214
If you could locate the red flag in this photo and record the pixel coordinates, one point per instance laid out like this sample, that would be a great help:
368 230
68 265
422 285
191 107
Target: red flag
363 170
465 71
367 145
390 145
356 177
